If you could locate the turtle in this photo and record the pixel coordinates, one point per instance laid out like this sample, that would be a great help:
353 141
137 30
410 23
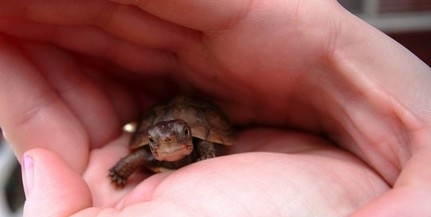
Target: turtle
173 134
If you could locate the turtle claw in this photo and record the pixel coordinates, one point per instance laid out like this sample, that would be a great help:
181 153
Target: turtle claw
116 179
206 150
206 156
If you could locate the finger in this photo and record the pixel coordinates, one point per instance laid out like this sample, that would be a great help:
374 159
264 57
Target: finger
52 188
92 41
411 193
195 14
410 202
83 96
32 114
128 23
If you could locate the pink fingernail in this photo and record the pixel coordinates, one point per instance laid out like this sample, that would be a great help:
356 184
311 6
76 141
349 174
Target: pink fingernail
27 173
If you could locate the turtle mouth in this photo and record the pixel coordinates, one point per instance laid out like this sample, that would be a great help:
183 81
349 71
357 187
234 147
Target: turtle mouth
174 153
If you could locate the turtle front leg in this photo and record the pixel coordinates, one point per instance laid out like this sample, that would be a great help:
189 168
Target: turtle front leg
127 165
205 150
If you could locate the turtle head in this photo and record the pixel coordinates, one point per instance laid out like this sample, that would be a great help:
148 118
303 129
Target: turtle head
170 140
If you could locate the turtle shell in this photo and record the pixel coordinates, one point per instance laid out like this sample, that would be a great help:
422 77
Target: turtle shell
205 120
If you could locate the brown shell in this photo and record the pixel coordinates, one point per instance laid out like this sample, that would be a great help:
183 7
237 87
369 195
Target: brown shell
205 120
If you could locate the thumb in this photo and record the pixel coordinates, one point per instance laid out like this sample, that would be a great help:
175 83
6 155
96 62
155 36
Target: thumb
52 187
411 193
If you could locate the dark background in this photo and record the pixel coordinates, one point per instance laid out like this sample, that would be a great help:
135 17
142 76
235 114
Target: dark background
417 42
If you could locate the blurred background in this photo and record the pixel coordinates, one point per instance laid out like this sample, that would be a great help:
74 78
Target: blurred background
11 191
406 21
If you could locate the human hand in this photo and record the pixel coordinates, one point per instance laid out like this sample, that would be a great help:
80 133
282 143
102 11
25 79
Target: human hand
314 178
282 58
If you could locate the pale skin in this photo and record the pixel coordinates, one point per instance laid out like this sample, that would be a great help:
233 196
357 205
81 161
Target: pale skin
72 72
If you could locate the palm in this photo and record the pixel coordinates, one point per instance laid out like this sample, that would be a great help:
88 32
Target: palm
309 180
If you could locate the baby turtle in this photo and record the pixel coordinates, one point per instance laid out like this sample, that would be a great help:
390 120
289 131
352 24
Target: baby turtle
172 135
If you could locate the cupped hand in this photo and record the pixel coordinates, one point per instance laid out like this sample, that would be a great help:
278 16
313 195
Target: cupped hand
270 173
74 71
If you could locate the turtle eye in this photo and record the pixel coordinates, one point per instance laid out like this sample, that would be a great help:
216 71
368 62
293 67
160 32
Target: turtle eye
152 144
151 141
186 132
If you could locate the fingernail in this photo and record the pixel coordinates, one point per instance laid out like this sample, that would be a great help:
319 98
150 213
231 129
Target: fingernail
27 173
